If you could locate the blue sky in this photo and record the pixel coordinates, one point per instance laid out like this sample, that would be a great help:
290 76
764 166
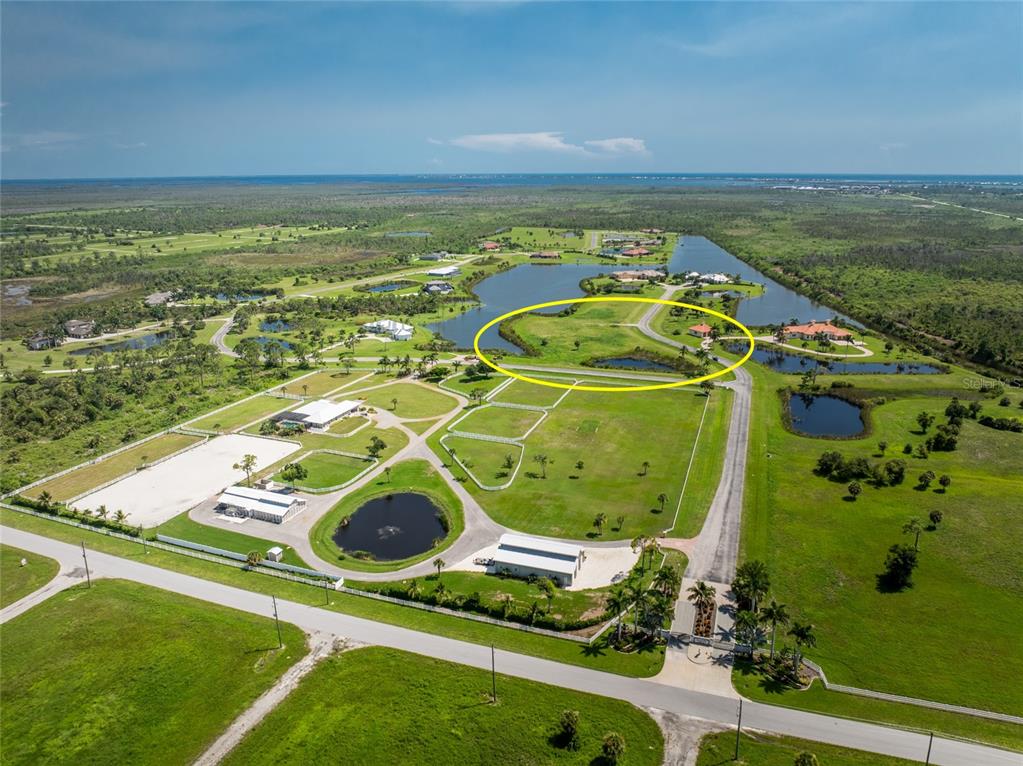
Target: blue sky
152 89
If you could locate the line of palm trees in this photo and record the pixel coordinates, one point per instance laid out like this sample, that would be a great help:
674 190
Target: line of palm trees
651 605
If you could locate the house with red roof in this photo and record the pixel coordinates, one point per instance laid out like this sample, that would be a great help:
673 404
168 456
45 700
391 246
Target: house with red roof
490 246
813 330
635 251
702 330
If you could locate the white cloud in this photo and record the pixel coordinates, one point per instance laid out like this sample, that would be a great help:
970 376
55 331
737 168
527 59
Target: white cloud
134 145
547 141
622 145
544 141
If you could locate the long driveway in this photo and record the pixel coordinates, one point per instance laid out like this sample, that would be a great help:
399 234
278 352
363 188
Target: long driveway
643 692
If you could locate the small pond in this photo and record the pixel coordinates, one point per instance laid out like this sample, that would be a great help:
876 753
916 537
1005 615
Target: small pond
824 415
277 325
633 363
784 361
263 340
18 293
392 527
389 287
131 344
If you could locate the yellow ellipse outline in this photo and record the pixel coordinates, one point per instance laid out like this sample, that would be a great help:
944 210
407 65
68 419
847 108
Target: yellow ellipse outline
610 389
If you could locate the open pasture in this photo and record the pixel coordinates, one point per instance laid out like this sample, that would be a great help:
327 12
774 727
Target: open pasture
413 400
510 422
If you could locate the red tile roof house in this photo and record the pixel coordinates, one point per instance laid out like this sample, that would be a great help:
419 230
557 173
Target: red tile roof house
701 330
812 330
490 246
547 255
636 251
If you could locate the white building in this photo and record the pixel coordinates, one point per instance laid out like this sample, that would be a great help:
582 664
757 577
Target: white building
275 554
318 414
259 504
396 330
715 279
522 556
443 271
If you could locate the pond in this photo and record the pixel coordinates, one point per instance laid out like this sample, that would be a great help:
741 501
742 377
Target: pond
19 293
131 344
276 325
389 287
777 305
263 340
784 361
241 297
633 363
392 527
508 290
825 415
407 234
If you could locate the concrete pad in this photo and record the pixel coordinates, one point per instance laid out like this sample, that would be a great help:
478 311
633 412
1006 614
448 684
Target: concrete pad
154 495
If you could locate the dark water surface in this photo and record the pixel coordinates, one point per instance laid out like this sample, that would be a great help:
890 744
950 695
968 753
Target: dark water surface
825 415
392 527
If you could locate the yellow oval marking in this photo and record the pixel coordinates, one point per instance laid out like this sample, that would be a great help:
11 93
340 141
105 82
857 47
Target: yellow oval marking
610 389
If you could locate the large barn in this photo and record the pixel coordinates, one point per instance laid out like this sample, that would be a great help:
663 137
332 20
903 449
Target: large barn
522 556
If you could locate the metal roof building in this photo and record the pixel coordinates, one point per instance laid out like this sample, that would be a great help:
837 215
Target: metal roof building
523 556
259 504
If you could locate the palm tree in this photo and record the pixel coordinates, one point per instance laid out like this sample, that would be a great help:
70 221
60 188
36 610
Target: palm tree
394 404
546 586
413 590
746 624
253 558
640 599
542 460
646 467
662 499
45 500
617 602
599 521
803 635
247 464
440 564
913 527
701 594
120 516
668 581
775 614
751 582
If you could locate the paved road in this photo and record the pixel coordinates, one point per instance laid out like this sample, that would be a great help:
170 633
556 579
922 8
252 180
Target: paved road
218 337
717 547
643 692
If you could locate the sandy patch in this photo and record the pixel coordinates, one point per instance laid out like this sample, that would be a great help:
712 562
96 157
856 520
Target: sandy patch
154 495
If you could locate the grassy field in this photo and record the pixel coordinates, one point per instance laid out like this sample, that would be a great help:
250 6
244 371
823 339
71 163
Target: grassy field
243 413
825 552
500 421
17 581
358 443
520 392
328 470
325 381
223 536
613 435
749 683
122 673
465 385
763 750
414 401
487 461
355 708
409 475
77 482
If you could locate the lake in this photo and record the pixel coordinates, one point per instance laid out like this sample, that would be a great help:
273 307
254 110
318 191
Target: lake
392 527
131 344
263 340
825 415
506 291
777 305
389 287
784 361
277 325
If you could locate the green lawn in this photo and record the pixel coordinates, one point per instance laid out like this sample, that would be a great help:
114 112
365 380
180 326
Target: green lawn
499 421
613 435
381 706
244 413
328 470
408 475
487 461
764 750
223 536
75 483
123 673
414 401
824 552
324 382
520 392
465 385
17 581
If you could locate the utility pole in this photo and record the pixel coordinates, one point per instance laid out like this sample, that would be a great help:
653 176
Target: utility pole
88 578
145 547
738 731
326 593
493 675
277 620
930 742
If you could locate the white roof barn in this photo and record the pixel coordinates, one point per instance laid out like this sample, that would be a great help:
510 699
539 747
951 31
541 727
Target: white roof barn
318 414
525 556
443 271
397 330
260 504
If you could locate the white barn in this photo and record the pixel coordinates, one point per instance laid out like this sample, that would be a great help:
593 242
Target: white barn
259 504
443 271
523 556
318 414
